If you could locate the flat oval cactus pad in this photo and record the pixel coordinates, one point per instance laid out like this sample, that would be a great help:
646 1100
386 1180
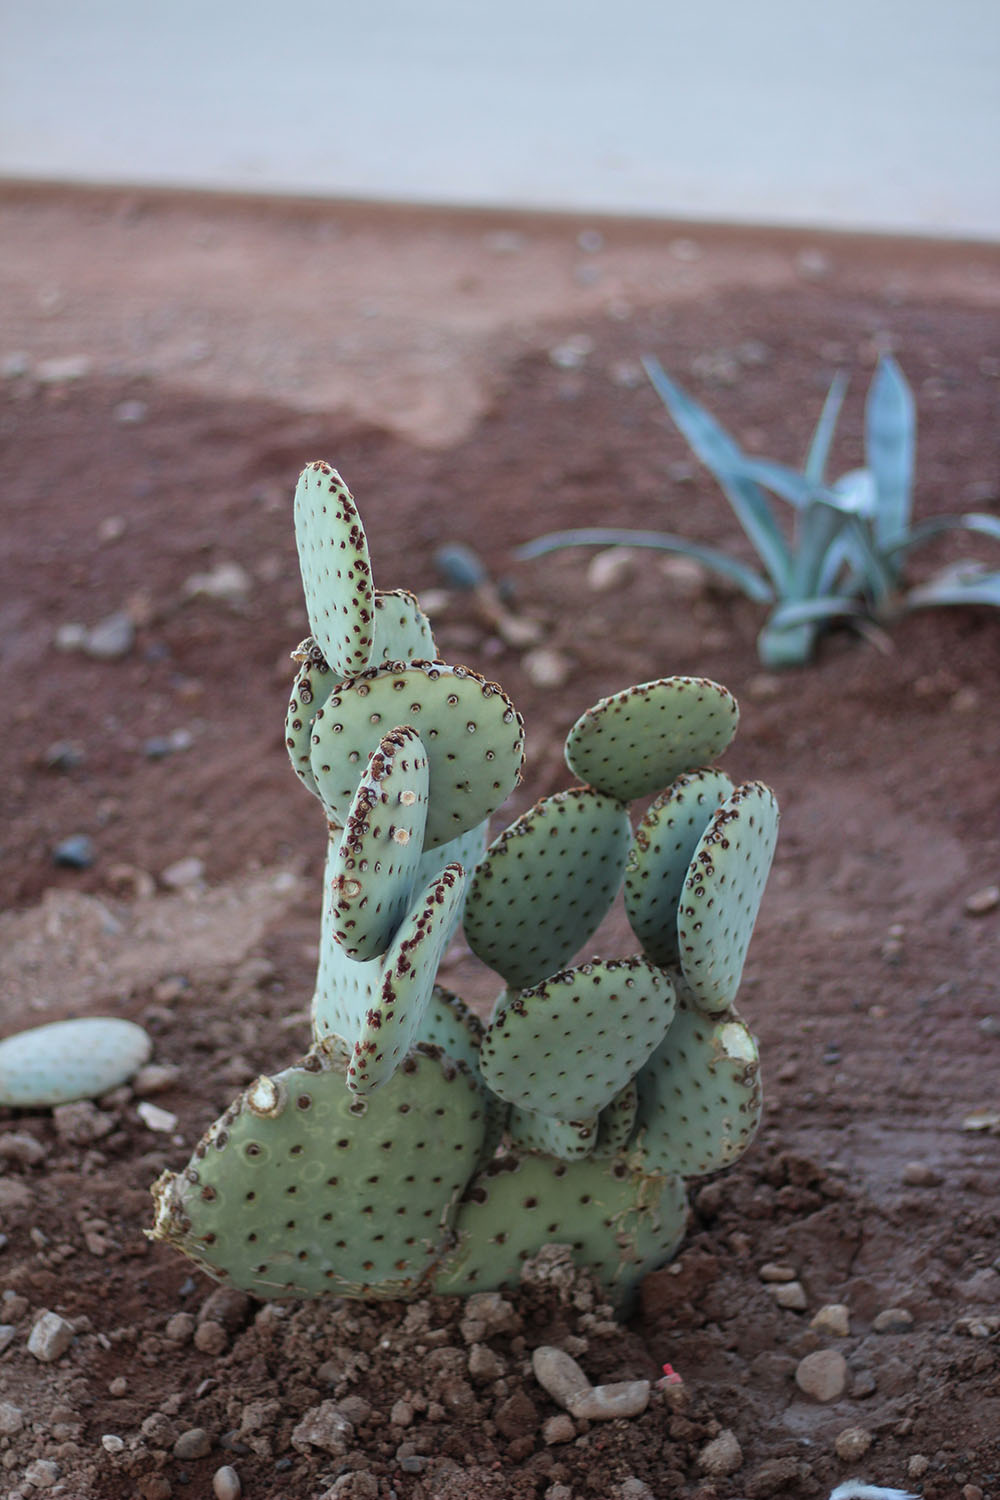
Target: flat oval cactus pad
665 841
722 894
312 686
402 630
619 1223
471 731
699 1095
336 569
637 741
303 1190
375 867
544 885
566 1047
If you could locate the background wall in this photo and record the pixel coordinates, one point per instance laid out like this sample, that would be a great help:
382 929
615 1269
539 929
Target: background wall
880 114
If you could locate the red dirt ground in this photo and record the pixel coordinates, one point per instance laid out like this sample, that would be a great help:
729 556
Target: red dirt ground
476 381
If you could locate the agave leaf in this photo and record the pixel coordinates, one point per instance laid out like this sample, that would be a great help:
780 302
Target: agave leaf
752 583
819 448
890 449
936 525
855 493
723 456
784 482
825 607
876 577
818 529
965 584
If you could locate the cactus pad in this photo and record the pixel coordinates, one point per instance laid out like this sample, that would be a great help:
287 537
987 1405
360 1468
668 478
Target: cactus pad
722 894
336 570
566 1047
636 742
699 1095
616 1121
301 1189
569 1140
375 867
544 885
402 630
618 1222
473 735
310 690
658 863
449 1024
405 983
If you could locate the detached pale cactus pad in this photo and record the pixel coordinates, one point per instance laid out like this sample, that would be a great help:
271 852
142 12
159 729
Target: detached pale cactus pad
415 1149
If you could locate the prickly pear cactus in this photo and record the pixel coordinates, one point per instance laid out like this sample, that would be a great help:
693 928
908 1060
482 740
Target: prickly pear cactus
417 1148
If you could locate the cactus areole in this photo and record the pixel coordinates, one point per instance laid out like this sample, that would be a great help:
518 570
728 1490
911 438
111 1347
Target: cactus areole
416 1149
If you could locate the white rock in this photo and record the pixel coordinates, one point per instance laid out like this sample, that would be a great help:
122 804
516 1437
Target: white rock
50 1338
11 1419
834 1319
559 1374
227 581
155 1118
226 1484
789 1294
69 1060
112 1443
184 873
610 569
602 1403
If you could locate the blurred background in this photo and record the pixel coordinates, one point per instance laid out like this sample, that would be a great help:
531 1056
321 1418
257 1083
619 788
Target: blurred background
881 116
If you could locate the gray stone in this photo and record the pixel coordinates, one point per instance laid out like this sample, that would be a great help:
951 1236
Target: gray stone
853 1443
76 852
893 1320
822 1375
789 1294
195 1443
11 1419
43 1473
50 1338
325 1427
111 638
558 1429
833 1319
723 1455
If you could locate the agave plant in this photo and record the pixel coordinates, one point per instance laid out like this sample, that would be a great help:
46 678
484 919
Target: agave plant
843 555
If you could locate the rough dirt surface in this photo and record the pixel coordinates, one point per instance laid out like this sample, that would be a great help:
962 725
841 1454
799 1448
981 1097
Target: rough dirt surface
168 365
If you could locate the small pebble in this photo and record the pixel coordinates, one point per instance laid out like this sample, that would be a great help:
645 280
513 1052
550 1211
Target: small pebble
833 1319
195 1443
211 1338
983 901
118 1386
610 569
228 582
50 1338
154 1078
112 638
917 1466
893 1320
723 1455
546 667
180 1328
11 1419
822 1375
777 1271
77 852
401 1414
919 1174
155 1118
112 1443
226 1484
43 1473
128 413
558 1429
789 1294
460 566
63 755
19 1146
7 1335
853 1443
63 367
183 874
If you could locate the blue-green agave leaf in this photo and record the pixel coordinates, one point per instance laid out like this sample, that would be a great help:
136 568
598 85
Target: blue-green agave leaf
752 583
723 456
965 584
890 448
936 525
819 449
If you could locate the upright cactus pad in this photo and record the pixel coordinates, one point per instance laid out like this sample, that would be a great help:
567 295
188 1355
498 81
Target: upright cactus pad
699 1095
414 1150
336 569
657 867
618 1222
392 1024
544 885
378 855
636 742
722 894
566 1047
473 735
303 1190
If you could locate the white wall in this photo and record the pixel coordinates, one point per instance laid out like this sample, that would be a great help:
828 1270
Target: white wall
880 114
